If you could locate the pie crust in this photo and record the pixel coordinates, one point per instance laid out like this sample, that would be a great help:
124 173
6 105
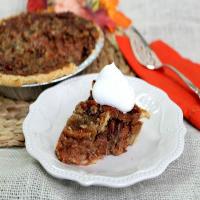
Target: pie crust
18 80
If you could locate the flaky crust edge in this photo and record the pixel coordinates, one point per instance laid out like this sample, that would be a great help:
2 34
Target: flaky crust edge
18 80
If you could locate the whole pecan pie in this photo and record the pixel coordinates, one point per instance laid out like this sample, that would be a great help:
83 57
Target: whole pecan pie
40 47
94 131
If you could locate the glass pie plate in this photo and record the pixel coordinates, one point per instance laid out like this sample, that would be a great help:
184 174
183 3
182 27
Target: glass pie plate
31 91
160 141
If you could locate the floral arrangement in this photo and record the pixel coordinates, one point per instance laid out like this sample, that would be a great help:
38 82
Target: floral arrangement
103 12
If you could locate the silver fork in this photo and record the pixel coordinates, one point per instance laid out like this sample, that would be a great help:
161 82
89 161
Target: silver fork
147 57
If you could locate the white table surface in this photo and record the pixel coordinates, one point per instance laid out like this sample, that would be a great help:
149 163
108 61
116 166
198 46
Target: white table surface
177 23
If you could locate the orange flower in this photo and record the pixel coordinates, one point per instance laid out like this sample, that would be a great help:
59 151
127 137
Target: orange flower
118 17
109 4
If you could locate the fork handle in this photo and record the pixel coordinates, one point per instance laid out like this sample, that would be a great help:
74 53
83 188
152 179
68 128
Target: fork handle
185 79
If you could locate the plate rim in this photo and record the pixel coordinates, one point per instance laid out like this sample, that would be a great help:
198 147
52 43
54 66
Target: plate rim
87 179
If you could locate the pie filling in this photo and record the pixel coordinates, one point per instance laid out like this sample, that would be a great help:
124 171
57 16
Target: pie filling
38 43
95 130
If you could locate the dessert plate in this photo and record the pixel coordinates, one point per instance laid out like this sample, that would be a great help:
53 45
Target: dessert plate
160 141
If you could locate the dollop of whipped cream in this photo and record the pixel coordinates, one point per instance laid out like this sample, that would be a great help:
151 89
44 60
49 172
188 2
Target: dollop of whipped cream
112 88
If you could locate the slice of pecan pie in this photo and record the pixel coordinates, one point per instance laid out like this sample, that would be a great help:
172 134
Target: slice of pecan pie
40 47
94 131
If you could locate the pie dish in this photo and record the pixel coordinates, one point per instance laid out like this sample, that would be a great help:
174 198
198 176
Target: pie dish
160 141
94 131
41 47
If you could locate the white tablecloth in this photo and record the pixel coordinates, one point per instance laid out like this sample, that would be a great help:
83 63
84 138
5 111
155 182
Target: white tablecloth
176 22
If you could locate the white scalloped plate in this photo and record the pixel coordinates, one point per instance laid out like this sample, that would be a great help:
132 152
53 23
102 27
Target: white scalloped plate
160 142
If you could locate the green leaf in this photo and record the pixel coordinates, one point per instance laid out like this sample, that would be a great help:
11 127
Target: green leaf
93 4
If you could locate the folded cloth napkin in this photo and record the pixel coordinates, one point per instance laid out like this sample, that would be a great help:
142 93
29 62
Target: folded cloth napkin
166 79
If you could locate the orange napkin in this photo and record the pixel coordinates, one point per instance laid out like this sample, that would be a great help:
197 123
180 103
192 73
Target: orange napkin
166 79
